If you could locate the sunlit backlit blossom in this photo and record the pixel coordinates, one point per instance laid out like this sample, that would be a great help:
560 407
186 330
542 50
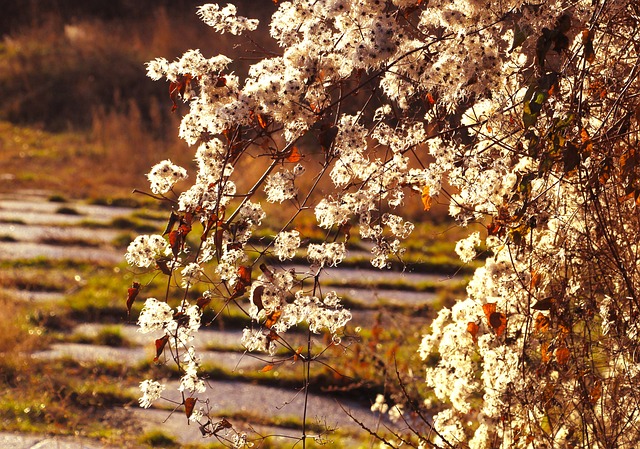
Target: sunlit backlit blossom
145 249
151 391
164 175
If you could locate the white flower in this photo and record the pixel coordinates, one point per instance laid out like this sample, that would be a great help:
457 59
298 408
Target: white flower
280 187
380 405
144 250
225 19
155 315
466 248
330 254
151 391
164 175
286 244
395 413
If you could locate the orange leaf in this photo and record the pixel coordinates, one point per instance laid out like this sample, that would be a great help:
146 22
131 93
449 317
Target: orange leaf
488 309
262 121
542 323
244 280
497 320
426 198
544 352
587 144
472 328
429 96
272 319
131 295
294 156
535 279
189 403
494 228
244 273
562 355
587 40
266 368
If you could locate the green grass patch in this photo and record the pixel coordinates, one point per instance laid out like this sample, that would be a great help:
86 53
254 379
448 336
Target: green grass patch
38 279
65 210
15 221
115 202
56 198
107 336
158 438
134 225
69 242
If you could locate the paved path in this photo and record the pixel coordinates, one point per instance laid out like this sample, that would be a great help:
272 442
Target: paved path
21 441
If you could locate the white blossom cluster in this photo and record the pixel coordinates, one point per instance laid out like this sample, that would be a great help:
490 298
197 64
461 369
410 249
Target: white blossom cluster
145 249
226 19
164 175
505 110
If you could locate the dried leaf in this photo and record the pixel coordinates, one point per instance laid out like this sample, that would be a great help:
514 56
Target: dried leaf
244 281
131 295
244 274
175 241
294 156
488 309
544 352
345 228
536 277
173 219
273 336
189 404
256 297
327 135
542 323
160 344
177 88
426 198
562 355
494 228
472 328
163 265
272 319
217 240
262 121
543 304
203 301
596 392
587 41
497 320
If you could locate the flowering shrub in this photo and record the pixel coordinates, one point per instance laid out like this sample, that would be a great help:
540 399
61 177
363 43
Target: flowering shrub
522 116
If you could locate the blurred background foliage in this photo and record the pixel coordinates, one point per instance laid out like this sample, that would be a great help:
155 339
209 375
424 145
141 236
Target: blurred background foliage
65 64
